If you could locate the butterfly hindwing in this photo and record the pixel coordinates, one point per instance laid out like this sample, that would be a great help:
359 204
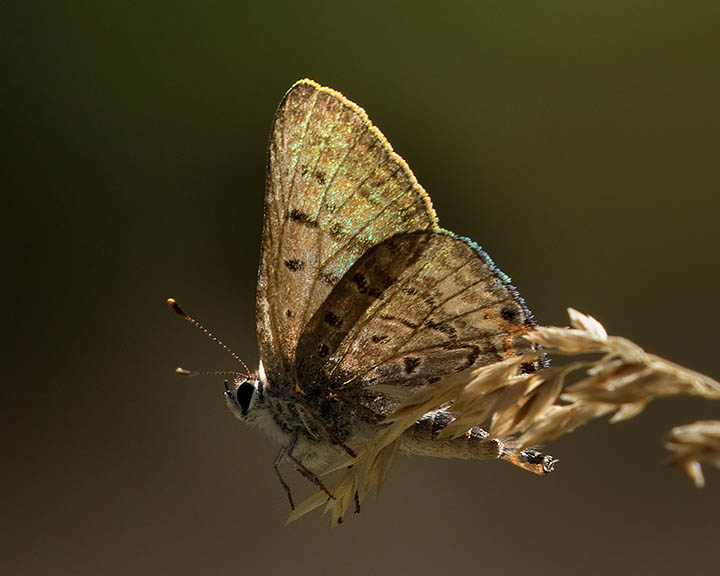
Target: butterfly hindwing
334 190
414 308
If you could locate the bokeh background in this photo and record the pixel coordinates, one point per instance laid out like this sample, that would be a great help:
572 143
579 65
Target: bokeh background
577 142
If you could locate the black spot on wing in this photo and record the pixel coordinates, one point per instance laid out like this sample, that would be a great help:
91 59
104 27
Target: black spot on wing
361 282
510 314
301 217
411 364
336 230
444 327
328 278
294 264
427 298
333 319
364 287
470 359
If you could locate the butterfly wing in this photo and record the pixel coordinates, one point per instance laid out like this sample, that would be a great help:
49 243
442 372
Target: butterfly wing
334 189
413 309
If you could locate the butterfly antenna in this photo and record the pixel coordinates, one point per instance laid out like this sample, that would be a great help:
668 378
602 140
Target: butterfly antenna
180 312
184 372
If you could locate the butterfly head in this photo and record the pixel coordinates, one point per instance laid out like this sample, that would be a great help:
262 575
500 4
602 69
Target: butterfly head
242 396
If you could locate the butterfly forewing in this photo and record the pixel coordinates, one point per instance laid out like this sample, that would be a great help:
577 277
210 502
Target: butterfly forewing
334 189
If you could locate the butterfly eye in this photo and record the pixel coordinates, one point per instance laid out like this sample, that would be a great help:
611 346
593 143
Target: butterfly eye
244 395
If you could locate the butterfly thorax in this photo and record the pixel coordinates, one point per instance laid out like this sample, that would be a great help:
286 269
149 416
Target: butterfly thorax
316 428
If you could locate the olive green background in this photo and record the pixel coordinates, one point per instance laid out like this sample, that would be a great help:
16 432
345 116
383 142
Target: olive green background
576 141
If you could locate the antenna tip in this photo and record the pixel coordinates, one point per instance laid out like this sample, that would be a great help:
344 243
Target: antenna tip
176 307
182 371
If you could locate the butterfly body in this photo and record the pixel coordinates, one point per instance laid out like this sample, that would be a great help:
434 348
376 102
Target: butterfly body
320 450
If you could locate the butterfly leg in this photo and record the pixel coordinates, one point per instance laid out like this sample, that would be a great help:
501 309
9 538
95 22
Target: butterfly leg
287 451
357 502
276 465
309 475
335 440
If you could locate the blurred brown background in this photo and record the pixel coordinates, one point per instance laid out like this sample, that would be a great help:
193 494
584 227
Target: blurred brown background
577 142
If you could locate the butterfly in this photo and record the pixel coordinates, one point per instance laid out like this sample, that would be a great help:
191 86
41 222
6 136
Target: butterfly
362 299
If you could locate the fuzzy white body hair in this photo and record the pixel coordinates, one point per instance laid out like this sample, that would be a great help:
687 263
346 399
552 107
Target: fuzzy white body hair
284 423
316 454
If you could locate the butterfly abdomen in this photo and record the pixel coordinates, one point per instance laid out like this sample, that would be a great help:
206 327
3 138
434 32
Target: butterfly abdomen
422 440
